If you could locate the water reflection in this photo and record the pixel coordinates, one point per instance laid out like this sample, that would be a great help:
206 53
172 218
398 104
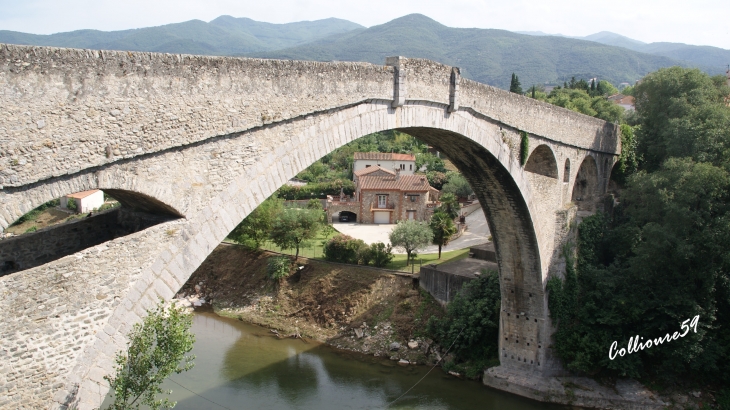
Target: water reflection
240 366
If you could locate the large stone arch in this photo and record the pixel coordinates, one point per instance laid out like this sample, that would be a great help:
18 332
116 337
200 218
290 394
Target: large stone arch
481 149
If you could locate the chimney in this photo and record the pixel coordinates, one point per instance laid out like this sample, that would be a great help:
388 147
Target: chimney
397 174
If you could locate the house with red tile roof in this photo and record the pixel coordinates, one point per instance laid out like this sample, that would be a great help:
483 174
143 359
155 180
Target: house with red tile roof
386 197
86 201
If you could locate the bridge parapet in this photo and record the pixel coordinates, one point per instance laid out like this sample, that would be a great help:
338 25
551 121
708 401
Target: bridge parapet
67 110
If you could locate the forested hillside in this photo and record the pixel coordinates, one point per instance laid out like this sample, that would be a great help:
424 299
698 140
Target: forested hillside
225 35
484 55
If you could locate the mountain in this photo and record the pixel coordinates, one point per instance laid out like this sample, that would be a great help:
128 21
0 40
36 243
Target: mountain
225 35
713 59
613 39
485 55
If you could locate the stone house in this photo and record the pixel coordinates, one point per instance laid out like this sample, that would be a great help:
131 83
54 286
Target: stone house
406 163
386 197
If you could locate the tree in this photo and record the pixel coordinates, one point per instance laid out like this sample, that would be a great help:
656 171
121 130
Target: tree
295 226
449 205
255 228
411 235
473 314
682 114
436 179
457 185
514 85
157 347
432 162
443 229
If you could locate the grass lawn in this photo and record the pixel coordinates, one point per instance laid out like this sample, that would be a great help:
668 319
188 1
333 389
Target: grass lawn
313 249
399 262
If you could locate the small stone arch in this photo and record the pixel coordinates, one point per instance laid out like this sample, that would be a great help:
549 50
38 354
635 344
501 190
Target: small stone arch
566 171
542 161
585 188
67 235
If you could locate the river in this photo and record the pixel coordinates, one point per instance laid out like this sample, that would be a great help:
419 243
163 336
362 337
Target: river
241 366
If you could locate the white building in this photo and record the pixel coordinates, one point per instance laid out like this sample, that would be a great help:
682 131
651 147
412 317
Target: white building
406 163
86 201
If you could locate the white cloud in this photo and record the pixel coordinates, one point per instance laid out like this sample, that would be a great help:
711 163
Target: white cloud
702 22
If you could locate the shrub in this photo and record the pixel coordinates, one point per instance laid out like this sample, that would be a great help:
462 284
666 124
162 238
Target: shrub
278 267
32 215
344 249
316 190
71 204
31 229
157 347
524 147
471 322
380 254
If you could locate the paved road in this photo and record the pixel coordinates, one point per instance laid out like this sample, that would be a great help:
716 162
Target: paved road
477 233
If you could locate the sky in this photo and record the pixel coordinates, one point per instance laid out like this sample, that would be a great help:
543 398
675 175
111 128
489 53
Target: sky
699 22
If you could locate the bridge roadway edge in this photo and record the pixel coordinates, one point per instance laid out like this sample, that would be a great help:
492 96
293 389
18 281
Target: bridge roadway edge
197 237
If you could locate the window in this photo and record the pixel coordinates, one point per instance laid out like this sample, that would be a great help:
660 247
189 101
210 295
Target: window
403 166
413 197
382 201
411 169
367 166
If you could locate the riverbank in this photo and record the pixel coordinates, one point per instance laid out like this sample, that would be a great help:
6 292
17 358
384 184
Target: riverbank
380 313
353 308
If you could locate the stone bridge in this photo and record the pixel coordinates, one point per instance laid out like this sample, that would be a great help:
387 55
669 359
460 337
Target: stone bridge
206 139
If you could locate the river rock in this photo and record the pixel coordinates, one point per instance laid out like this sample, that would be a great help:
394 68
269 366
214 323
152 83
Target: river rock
403 362
358 333
394 347
413 345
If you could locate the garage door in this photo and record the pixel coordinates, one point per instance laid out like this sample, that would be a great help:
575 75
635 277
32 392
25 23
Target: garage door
382 217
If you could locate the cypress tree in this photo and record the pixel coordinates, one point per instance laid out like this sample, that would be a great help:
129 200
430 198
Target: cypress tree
515 86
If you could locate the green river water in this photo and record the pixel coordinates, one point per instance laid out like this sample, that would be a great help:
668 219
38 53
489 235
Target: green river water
240 366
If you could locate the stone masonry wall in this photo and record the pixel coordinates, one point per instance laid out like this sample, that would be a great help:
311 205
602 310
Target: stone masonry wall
40 247
215 185
65 110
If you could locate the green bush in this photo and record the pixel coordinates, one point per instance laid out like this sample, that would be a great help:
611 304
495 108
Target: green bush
31 229
104 207
32 215
380 254
278 267
345 249
524 147
471 323
316 190
71 204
